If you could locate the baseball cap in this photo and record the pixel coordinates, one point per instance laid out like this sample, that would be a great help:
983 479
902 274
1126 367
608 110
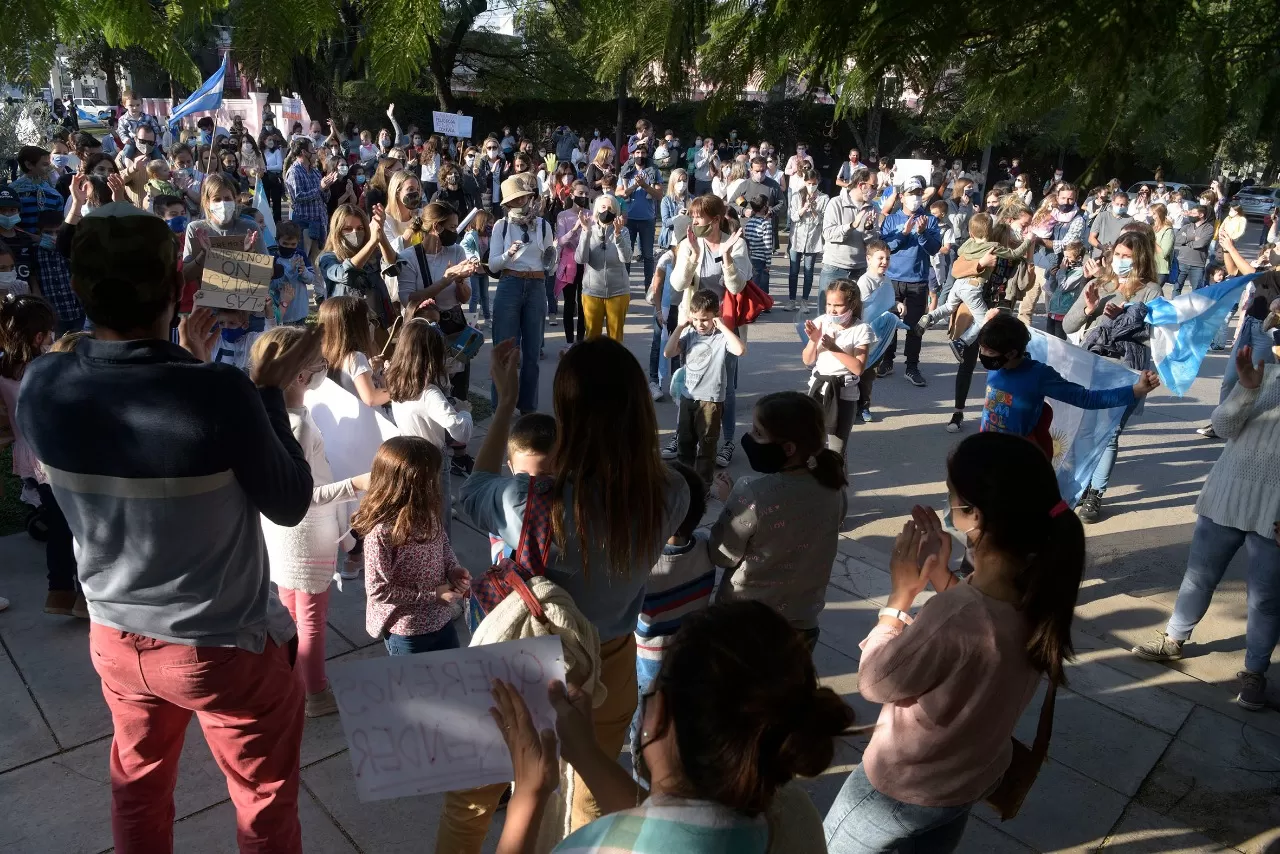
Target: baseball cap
8 198
914 184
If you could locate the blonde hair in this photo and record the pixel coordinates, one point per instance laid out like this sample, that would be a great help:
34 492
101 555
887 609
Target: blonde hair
281 336
980 226
154 167
214 183
394 209
678 175
603 153
606 201
334 243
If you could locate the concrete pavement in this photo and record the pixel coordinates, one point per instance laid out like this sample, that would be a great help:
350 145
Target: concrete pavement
1145 757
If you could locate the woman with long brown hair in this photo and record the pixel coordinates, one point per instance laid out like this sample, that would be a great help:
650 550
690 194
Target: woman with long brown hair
612 505
1128 278
955 677
354 253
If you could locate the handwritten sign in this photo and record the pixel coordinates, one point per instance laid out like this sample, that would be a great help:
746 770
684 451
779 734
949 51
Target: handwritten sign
233 242
233 279
451 124
290 111
418 724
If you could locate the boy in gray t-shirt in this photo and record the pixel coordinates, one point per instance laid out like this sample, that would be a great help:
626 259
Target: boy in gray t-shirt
702 341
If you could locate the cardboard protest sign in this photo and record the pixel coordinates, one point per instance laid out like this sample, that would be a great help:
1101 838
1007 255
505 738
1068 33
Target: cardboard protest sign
233 279
232 242
418 724
451 124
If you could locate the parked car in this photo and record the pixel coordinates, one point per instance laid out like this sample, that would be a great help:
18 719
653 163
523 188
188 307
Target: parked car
1151 185
1256 202
92 110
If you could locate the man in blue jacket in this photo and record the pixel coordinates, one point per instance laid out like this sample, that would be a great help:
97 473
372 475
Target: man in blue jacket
913 237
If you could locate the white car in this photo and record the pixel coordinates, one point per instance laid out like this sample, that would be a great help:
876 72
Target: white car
92 110
1256 202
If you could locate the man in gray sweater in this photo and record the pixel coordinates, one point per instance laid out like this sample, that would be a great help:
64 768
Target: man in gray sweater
846 223
1108 224
1191 248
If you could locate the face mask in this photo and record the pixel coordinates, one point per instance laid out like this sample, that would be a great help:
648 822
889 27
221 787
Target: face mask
842 319
271 145
519 214
353 238
48 241
948 522
448 237
1121 266
596 135
143 145
178 224
360 179
246 149
231 336
580 201
637 743
566 180
993 363
605 217
316 380
703 230
493 154
1119 210
680 187
205 137
417 141
59 161
764 457
286 251
641 160
7 222
1067 208
412 200
910 203
991 209
8 277
342 169
222 212
470 159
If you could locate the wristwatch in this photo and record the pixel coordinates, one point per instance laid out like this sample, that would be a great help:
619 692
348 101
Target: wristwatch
901 616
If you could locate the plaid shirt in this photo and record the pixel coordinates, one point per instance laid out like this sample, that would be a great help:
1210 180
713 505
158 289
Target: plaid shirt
306 199
128 126
55 285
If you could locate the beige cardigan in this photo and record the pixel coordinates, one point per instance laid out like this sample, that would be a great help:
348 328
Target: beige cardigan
684 273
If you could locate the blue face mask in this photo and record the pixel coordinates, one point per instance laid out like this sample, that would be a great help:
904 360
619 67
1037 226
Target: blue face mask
48 241
178 224
10 221
360 179
231 336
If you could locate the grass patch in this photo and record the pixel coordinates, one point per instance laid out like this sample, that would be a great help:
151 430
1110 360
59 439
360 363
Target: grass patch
13 513
481 409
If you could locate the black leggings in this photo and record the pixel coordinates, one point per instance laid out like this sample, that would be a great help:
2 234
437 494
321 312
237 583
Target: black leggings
60 558
964 375
571 297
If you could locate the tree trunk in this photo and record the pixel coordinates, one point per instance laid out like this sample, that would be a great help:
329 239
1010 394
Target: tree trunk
622 110
308 82
109 72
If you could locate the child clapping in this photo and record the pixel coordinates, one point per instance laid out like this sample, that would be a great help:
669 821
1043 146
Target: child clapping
412 578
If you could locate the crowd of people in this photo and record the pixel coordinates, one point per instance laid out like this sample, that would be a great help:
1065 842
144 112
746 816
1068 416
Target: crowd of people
690 643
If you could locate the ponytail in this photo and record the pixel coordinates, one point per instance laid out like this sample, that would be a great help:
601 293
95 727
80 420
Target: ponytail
1008 480
789 416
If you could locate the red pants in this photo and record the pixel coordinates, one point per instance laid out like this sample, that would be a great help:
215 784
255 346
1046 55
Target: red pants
310 612
250 708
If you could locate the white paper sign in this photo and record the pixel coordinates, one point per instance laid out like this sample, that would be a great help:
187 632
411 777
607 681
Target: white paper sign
451 124
419 724
904 169
352 431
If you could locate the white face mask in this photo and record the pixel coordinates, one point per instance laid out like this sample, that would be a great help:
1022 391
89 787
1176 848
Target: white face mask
910 203
316 380
8 277
353 238
222 212
842 319
680 187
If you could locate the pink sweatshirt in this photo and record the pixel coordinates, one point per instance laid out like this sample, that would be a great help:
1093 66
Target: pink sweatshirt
953 685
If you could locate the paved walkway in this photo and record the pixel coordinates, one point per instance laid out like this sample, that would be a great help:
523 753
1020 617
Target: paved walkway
1145 757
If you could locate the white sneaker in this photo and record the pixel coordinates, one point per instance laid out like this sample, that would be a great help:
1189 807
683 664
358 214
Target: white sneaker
804 306
319 704
791 305
351 568
656 392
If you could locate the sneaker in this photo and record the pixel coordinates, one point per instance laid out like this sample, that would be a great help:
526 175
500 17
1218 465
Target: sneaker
884 369
1207 432
791 305
859 417
60 602
804 306
1090 507
1253 691
923 324
479 322
553 320
866 415
1163 648
351 568
914 377
725 455
81 608
319 704
957 350
462 465
656 392
670 450
953 426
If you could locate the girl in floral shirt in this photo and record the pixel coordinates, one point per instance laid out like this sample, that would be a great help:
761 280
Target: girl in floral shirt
411 576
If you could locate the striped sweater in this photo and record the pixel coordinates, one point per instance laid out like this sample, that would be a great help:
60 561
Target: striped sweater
679 584
1242 490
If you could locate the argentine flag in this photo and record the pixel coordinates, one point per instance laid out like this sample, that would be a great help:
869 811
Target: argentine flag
206 99
1079 435
1183 327
263 207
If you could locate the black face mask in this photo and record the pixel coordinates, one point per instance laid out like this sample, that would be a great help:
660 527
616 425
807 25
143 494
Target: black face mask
606 217
992 209
764 457
993 363
412 200
641 161
448 237
580 201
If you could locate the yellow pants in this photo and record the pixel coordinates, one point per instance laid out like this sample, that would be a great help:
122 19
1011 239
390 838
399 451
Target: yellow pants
597 310
464 823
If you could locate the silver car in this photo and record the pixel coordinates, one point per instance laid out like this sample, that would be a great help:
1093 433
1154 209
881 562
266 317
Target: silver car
1257 202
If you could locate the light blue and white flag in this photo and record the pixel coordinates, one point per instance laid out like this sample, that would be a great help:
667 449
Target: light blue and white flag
1183 327
263 207
205 99
1079 435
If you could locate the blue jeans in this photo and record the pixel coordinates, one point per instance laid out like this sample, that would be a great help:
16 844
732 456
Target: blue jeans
798 259
730 391
864 820
760 274
1251 335
1188 275
519 310
480 293
659 364
830 273
642 229
552 308
1212 548
445 638
1102 471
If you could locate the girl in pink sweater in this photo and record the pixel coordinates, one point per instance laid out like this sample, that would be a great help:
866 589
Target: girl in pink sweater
955 678
412 578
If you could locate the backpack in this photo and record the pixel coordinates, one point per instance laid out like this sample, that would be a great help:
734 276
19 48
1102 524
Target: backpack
529 558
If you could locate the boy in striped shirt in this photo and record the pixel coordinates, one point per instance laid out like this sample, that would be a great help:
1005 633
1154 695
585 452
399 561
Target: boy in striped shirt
757 228
679 584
